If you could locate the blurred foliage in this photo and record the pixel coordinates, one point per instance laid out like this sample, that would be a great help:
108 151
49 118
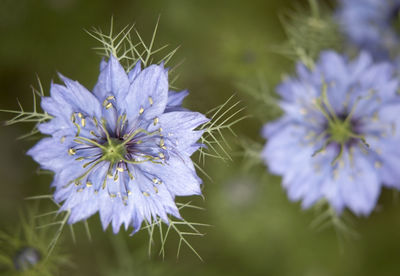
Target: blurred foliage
24 248
255 229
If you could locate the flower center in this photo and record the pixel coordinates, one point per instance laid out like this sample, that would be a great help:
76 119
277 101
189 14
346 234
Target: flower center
340 131
114 150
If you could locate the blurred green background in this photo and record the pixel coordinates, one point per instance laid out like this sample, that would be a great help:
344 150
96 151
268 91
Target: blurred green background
255 229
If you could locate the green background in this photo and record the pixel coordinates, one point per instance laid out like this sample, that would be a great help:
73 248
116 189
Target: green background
255 229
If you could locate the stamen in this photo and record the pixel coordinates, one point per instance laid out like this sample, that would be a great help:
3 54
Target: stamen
155 120
146 194
71 151
89 184
109 105
151 100
141 110
96 123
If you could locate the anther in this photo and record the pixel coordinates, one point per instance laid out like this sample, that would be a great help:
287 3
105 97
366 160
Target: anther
141 110
162 156
129 192
156 120
146 194
120 169
155 180
151 100
155 190
83 122
162 144
113 195
80 115
62 140
93 133
108 106
89 184
71 151
80 190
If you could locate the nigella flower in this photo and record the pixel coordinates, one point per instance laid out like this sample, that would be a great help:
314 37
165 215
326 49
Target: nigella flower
123 150
337 139
372 25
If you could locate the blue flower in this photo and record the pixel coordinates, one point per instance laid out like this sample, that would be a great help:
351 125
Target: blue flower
123 150
337 139
372 25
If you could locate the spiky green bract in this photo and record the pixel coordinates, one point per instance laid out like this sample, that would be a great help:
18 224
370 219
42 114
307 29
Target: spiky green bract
327 217
309 31
263 100
24 250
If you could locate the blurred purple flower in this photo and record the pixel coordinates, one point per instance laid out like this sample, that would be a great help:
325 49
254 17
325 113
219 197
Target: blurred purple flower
337 139
123 150
372 25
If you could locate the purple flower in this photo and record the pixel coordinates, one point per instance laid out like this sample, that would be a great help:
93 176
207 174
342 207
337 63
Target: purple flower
123 150
371 25
337 139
